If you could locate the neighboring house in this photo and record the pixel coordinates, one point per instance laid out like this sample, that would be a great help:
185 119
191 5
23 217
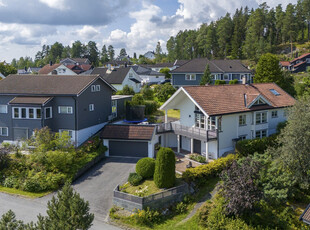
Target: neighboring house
213 118
297 65
80 68
80 105
22 71
130 140
119 77
123 58
148 75
116 64
33 70
191 72
119 106
305 216
149 55
56 69
178 63
2 76
75 61
157 67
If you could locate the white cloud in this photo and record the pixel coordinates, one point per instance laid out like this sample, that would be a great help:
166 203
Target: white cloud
56 4
87 32
2 4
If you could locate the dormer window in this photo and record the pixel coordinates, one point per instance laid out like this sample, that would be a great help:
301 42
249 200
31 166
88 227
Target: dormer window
259 102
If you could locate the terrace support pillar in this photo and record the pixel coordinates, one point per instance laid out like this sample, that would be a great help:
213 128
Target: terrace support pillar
192 145
207 151
166 116
179 143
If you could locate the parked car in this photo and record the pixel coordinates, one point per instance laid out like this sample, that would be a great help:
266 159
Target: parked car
164 81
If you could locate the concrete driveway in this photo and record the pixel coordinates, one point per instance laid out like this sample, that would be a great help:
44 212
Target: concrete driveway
96 186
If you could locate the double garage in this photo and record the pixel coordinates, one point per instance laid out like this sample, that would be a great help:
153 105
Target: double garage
129 140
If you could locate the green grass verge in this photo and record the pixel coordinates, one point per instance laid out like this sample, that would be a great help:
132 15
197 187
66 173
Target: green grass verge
174 113
17 192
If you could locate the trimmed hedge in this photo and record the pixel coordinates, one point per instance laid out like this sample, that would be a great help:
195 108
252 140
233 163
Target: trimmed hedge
134 179
201 173
164 176
145 167
259 145
219 82
233 82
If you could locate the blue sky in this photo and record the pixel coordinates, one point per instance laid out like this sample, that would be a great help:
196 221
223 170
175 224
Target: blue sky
137 25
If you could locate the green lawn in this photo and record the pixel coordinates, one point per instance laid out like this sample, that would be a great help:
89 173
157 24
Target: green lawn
147 188
174 113
14 191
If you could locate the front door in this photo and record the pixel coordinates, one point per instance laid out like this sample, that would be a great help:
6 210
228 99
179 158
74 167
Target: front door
197 146
20 134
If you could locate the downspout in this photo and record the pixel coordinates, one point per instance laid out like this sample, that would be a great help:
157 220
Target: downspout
75 120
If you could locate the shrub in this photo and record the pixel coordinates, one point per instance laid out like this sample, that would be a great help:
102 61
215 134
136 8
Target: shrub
233 82
259 145
197 157
127 90
219 82
180 208
150 107
164 176
60 160
146 217
10 182
201 173
145 167
134 179
147 92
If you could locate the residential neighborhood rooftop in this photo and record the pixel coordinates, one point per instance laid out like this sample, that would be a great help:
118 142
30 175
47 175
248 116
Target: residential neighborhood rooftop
45 84
115 76
128 132
30 100
48 68
198 65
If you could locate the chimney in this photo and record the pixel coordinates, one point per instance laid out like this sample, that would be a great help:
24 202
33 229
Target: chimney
244 80
25 69
51 63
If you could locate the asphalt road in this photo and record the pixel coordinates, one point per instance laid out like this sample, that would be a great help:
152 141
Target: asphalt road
96 186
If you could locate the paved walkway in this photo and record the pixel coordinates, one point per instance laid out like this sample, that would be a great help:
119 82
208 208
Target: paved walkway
96 186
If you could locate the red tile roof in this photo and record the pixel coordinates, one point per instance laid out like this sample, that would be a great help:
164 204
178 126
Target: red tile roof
302 56
226 99
285 63
128 132
48 68
305 217
300 63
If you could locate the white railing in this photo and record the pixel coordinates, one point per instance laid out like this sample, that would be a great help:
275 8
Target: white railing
192 132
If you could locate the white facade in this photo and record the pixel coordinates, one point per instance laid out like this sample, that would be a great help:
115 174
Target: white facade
229 128
151 78
130 75
63 70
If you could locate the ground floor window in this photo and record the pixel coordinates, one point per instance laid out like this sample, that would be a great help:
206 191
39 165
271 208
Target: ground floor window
4 131
261 133
242 137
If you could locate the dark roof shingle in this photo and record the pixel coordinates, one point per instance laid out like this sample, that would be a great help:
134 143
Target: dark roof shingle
116 76
45 84
128 132
30 100
48 68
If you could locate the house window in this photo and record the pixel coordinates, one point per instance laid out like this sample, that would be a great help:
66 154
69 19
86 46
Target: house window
200 120
190 77
274 114
261 118
242 120
236 76
70 132
219 124
26 113
226 77
242 137
91 107
114 109
211 123
261 133
130 75
4 131
275 92
3 109
95 88
212 76
65 109
48 112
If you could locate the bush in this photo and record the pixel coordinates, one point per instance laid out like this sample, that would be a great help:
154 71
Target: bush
164 175
146 217
60 160
150 107
145 167
219 82
201 173
233 82
259 145
127 90
134 179
197 157
147 92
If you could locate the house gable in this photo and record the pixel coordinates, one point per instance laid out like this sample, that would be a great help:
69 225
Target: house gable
259 100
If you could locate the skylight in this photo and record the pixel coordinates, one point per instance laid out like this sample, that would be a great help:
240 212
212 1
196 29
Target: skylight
275 92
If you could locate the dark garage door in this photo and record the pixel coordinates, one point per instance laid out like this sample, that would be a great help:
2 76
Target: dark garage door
128 148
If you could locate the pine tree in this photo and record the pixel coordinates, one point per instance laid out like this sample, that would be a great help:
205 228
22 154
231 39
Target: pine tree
123 52
206 77
224 34
67 211
104 54
211 39
111 52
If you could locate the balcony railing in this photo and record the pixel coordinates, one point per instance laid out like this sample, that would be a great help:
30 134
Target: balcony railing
191 132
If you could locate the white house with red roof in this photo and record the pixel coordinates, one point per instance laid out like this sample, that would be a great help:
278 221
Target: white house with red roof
213 118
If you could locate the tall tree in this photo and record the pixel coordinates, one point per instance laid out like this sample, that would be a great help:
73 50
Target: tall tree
104 54
55 51
158 52
306 8
206 77
224 34
171 49
211 39
111 52
92 53
77 50
290 24
123 52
